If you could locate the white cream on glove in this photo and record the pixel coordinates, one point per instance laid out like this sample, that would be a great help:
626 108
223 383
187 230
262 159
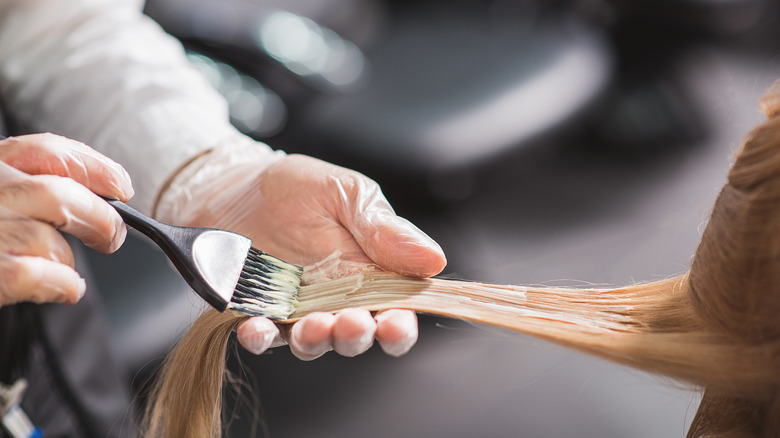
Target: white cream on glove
302 209
48 183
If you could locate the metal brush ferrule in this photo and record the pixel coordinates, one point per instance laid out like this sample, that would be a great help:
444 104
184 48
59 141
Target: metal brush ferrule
219 257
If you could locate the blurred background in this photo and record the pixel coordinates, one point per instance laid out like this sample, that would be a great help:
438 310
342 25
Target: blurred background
557 142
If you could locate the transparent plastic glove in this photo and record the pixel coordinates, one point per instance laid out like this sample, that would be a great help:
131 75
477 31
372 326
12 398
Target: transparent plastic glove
302 210
47 184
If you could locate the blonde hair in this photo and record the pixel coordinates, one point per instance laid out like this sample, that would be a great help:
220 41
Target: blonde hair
716 326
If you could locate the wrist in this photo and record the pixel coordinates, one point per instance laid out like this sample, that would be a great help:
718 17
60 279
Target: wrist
207 179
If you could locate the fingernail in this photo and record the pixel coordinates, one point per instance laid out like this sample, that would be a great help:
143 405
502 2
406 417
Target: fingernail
127 186
427 241
419 237
81 288
120 234
123 182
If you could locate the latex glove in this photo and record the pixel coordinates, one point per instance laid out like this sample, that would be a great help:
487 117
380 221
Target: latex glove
301 209
47 184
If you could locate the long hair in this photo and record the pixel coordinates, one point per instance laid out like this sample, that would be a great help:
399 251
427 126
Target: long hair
716 326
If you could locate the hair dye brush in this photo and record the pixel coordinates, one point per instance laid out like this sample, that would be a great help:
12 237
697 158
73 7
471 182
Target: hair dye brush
222 267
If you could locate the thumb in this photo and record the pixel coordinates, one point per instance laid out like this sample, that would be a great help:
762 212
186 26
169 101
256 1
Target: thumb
396 245
391 241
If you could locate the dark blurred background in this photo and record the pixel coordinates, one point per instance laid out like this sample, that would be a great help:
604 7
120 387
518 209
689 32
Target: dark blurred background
555 142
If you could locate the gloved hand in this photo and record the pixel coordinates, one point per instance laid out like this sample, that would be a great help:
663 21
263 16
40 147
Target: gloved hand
47 184
301 210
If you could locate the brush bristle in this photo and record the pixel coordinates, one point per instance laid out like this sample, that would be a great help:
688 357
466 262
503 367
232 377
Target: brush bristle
267 287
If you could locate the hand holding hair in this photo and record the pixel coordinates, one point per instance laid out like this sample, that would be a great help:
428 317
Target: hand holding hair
301 210
48 184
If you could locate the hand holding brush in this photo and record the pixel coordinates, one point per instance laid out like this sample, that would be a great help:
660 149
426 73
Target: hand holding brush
59 178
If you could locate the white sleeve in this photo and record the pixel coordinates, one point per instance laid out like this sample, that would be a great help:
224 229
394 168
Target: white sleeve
101 72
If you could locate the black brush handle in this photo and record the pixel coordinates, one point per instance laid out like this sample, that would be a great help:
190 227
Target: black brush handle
163 234
177 244
133 217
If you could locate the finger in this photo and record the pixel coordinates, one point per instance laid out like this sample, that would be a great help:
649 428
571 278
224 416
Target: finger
257 334
51 154
392 242
28 237
38 280
396 331
310 337
353 332
67 206
398 246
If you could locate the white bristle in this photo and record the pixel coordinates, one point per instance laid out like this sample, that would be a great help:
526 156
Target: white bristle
268 287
